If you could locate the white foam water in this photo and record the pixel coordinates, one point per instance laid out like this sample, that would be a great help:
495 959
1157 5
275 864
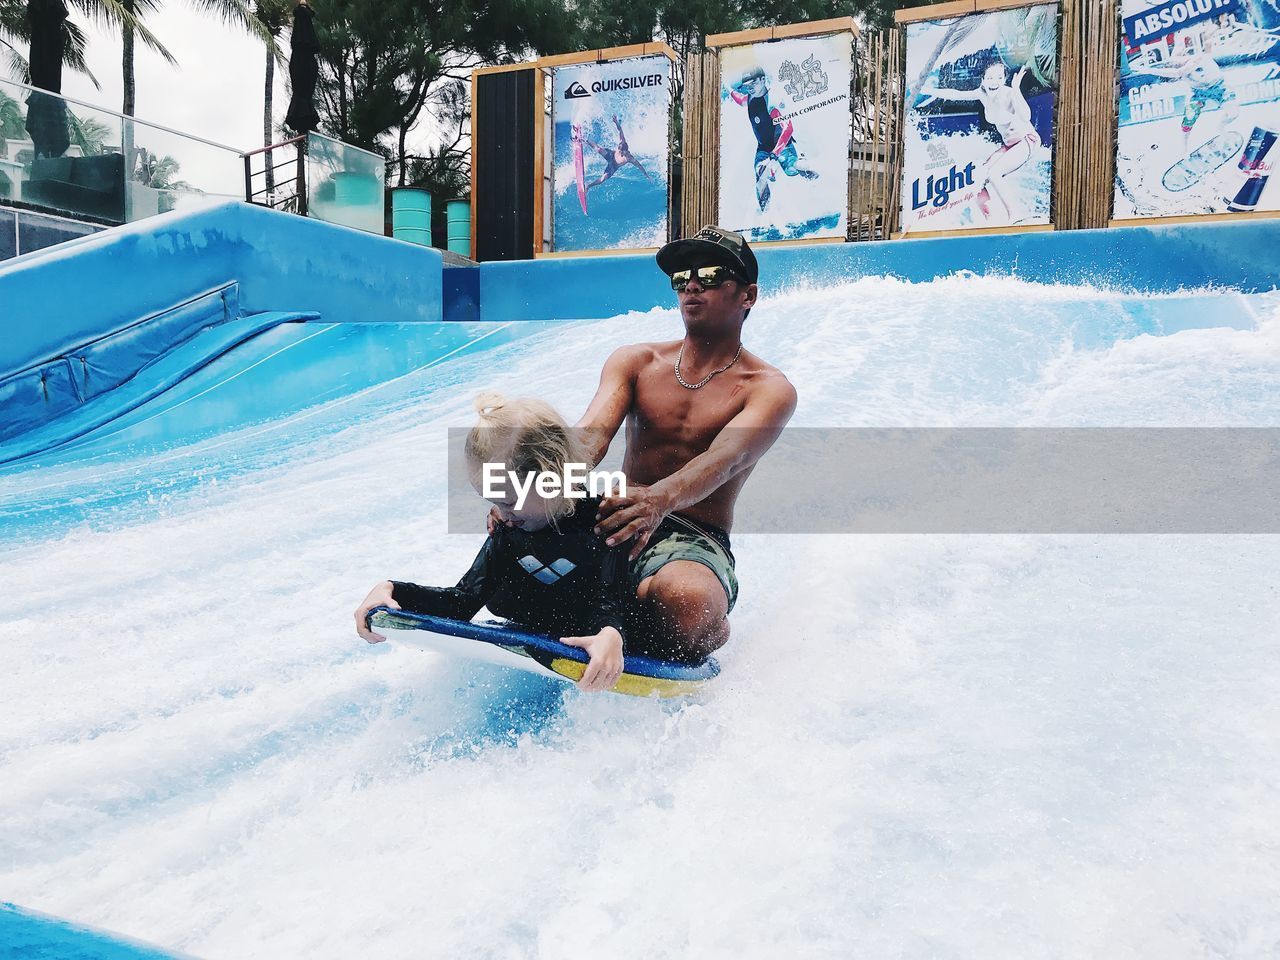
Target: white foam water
920 746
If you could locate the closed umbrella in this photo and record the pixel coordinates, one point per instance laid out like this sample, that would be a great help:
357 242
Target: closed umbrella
47 115
303 48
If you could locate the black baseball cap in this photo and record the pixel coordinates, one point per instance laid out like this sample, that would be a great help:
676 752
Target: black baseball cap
711 245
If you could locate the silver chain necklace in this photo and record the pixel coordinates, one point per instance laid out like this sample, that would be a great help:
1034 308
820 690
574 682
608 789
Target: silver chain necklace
707 379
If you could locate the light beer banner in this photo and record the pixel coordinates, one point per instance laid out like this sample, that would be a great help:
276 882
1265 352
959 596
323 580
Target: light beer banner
784 137
612 148
1199 108
978 136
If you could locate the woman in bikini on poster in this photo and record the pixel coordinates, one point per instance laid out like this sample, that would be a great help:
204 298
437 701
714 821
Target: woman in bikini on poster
1007 110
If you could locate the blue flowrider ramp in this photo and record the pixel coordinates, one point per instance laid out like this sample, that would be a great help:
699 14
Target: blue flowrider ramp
510 646
35 936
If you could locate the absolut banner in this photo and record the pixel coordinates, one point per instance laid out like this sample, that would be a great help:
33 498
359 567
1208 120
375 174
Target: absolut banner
1199 108
784 137
978 137
612 154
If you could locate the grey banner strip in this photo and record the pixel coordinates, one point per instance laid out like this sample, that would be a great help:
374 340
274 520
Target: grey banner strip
994 480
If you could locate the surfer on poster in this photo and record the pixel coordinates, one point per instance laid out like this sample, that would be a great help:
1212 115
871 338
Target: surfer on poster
1207 83
1007 110
775 136
616 158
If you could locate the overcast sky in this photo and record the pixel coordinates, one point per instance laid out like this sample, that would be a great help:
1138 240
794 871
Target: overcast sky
215 91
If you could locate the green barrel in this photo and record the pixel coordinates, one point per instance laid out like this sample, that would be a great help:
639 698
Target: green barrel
458 213
411 215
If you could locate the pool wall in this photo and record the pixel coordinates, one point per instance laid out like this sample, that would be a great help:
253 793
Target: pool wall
62 306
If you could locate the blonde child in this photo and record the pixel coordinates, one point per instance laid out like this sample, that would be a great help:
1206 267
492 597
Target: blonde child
543 566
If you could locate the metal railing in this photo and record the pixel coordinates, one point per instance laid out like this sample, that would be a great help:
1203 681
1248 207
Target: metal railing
276 193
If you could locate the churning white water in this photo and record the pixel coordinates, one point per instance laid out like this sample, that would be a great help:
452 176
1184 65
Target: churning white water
920 746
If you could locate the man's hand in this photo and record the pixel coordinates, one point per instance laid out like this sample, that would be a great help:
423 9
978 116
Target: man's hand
605 649
633 517
379 596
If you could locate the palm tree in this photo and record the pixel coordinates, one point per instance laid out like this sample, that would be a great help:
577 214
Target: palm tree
88 134
14 31
274 15
10 118
160 174
235 12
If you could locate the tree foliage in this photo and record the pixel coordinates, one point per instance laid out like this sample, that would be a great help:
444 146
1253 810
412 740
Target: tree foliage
386 66
383 66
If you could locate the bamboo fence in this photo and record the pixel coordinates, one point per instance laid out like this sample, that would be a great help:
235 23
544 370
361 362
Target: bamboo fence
875 167
700 199
1085 141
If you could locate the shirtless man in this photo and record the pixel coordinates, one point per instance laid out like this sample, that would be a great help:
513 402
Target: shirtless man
699 413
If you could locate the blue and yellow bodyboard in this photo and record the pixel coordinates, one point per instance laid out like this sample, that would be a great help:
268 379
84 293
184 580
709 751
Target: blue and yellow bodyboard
510 645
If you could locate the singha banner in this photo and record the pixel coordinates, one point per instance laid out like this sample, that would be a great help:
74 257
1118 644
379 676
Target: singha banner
609 182
784 137
978 136
1199 108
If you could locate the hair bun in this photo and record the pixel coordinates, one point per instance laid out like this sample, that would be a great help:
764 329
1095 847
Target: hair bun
487 404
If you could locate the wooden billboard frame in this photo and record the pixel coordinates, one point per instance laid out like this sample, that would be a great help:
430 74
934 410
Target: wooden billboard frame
540 68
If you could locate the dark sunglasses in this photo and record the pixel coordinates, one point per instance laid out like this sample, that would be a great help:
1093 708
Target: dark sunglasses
707 277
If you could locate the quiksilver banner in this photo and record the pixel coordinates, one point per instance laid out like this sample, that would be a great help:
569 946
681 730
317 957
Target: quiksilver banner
611 151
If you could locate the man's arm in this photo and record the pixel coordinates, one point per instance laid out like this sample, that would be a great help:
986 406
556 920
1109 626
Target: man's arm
737 447
613 399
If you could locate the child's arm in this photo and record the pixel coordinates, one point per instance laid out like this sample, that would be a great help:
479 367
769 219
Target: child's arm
605 645
942 93
457 603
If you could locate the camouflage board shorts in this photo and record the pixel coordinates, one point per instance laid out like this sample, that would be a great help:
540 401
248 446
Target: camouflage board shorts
679 539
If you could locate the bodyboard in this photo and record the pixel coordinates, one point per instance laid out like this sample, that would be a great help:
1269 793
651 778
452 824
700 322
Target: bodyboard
1201 161
509 645
579 166
766 172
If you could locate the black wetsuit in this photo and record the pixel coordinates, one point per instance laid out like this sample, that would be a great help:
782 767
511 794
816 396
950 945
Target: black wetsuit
566 583
762 123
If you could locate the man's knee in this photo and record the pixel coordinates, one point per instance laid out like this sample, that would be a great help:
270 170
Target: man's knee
687 587
692 603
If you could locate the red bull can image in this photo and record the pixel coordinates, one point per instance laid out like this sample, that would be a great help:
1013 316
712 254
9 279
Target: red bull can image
1254 163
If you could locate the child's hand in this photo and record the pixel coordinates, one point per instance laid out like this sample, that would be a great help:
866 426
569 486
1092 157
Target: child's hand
605 649
493 520
379 596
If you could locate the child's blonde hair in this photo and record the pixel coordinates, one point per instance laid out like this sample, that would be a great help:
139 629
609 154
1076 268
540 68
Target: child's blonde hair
527 436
